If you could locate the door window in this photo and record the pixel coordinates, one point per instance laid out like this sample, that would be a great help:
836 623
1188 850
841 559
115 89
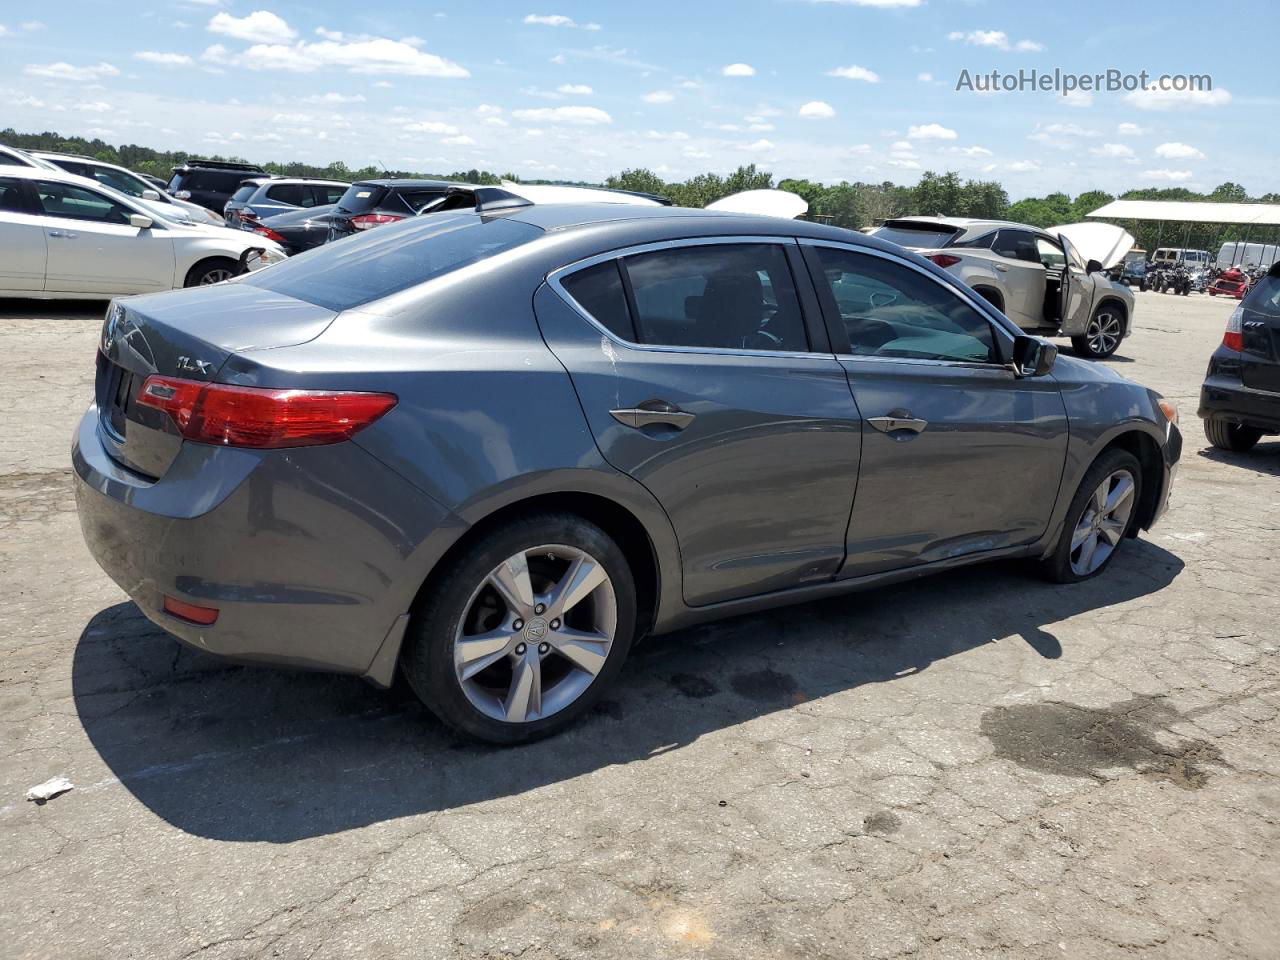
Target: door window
324 194
724 296
890 310
1016 245
11 200
599 291
126 184
77 203
1050 254
294 194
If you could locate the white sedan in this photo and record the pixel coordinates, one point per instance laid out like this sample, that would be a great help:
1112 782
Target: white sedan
64 236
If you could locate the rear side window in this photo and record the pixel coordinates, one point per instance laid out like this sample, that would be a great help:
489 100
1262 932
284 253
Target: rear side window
244 193
415 200
599 291
11 200
296 194
889 310
393 258
720 296
323 194
1016 245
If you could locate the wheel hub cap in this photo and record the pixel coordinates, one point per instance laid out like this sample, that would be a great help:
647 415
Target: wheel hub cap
1103 523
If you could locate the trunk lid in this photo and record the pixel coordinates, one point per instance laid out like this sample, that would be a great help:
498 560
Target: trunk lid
1103 242
188 334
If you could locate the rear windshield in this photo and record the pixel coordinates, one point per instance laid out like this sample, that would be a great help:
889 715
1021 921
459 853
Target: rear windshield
357 271
1263 301
926 236
244 193
361 197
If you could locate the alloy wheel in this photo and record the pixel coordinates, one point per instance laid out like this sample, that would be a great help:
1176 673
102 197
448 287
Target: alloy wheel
535 633
1103 523
216 275
1103 333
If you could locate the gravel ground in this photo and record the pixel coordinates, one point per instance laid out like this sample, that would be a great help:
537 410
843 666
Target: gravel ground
979 764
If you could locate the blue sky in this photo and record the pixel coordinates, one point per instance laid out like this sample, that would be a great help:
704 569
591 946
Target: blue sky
825 89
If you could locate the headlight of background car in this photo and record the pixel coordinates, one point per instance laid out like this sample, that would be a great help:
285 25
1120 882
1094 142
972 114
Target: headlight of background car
259 258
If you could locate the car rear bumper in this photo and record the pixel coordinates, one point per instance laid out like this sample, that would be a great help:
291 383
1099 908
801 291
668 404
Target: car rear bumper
312 556
1232 401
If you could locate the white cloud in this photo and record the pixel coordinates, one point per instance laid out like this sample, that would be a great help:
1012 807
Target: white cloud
334 98
1131 130
1173 175
575 116
65 71
1061 136
575 89
930 131
216 53
817 110
925 77
995 39
1022 166
873 3
1153 99
759 146
164 59
261 26
459 140
557 20
855 72
659 96
1077 98
94 107
1117 151
32 25
738 70
431 126
487 110
666 135
903 163
1178 151
370 55
971 151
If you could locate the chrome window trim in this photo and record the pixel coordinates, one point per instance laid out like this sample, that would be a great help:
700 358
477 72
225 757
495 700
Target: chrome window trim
983 307
556 278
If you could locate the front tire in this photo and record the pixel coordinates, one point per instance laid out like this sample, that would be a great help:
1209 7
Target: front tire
524 631
1102 336
1231 436
1101 515
210 271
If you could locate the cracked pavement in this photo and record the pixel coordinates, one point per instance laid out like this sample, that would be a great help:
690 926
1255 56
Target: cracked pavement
979 764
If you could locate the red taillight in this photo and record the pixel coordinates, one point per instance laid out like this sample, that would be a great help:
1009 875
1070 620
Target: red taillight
943 259
269 234
262 418
205 616
367 220
1233 338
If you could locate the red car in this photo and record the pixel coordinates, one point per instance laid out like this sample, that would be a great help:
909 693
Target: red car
1232 283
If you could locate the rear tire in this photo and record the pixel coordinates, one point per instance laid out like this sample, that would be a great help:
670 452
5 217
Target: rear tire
476 648
1231 436
210 271
1072 560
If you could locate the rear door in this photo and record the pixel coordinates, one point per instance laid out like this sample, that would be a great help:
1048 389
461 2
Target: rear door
22 242
1023 276
959 456
702 377
92 249
1260 327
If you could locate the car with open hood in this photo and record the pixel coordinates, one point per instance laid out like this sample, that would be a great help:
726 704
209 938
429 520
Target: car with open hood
1049 282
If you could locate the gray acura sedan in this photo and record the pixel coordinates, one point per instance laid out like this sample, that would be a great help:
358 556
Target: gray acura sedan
492 447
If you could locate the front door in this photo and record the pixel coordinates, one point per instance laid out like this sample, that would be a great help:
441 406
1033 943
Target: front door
702 378
959 456
1023 276
1077 290
21 239
93 249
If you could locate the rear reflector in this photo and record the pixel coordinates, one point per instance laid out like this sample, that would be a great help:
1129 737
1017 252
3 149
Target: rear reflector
367 220
943 259
204 616
261 418
1233 338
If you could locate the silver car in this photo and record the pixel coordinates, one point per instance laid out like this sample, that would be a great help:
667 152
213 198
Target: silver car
1049 282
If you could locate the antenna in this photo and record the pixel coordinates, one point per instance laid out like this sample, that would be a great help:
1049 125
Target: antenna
381 164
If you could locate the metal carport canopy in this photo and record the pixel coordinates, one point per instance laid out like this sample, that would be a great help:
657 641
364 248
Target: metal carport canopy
1191 211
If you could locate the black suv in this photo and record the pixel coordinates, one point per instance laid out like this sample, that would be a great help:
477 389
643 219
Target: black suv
210 183
371 203
1240 398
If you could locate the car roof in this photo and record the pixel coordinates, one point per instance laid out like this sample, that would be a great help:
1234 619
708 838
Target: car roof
963 223
404 182
274 180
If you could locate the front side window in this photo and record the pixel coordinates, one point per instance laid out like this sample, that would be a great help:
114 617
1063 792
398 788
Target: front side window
126 184
77 203
890 310
1050 254
723 296
11 195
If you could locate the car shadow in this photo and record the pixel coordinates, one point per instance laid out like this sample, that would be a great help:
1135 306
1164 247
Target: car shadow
254 754
1264 458
17 309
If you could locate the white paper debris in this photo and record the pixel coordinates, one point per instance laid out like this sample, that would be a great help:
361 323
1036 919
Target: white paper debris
49 789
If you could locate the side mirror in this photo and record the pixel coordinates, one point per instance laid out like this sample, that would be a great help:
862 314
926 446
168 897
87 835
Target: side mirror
1032 357
1093 266
150 195
140 220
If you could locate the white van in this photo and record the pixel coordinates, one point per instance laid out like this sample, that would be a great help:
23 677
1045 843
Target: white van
1247 254
1191 259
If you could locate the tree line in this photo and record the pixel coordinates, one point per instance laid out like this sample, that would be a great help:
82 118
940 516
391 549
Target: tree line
845 204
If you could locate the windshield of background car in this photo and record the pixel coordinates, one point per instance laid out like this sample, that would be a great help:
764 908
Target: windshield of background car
361 197
355 272
924 236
